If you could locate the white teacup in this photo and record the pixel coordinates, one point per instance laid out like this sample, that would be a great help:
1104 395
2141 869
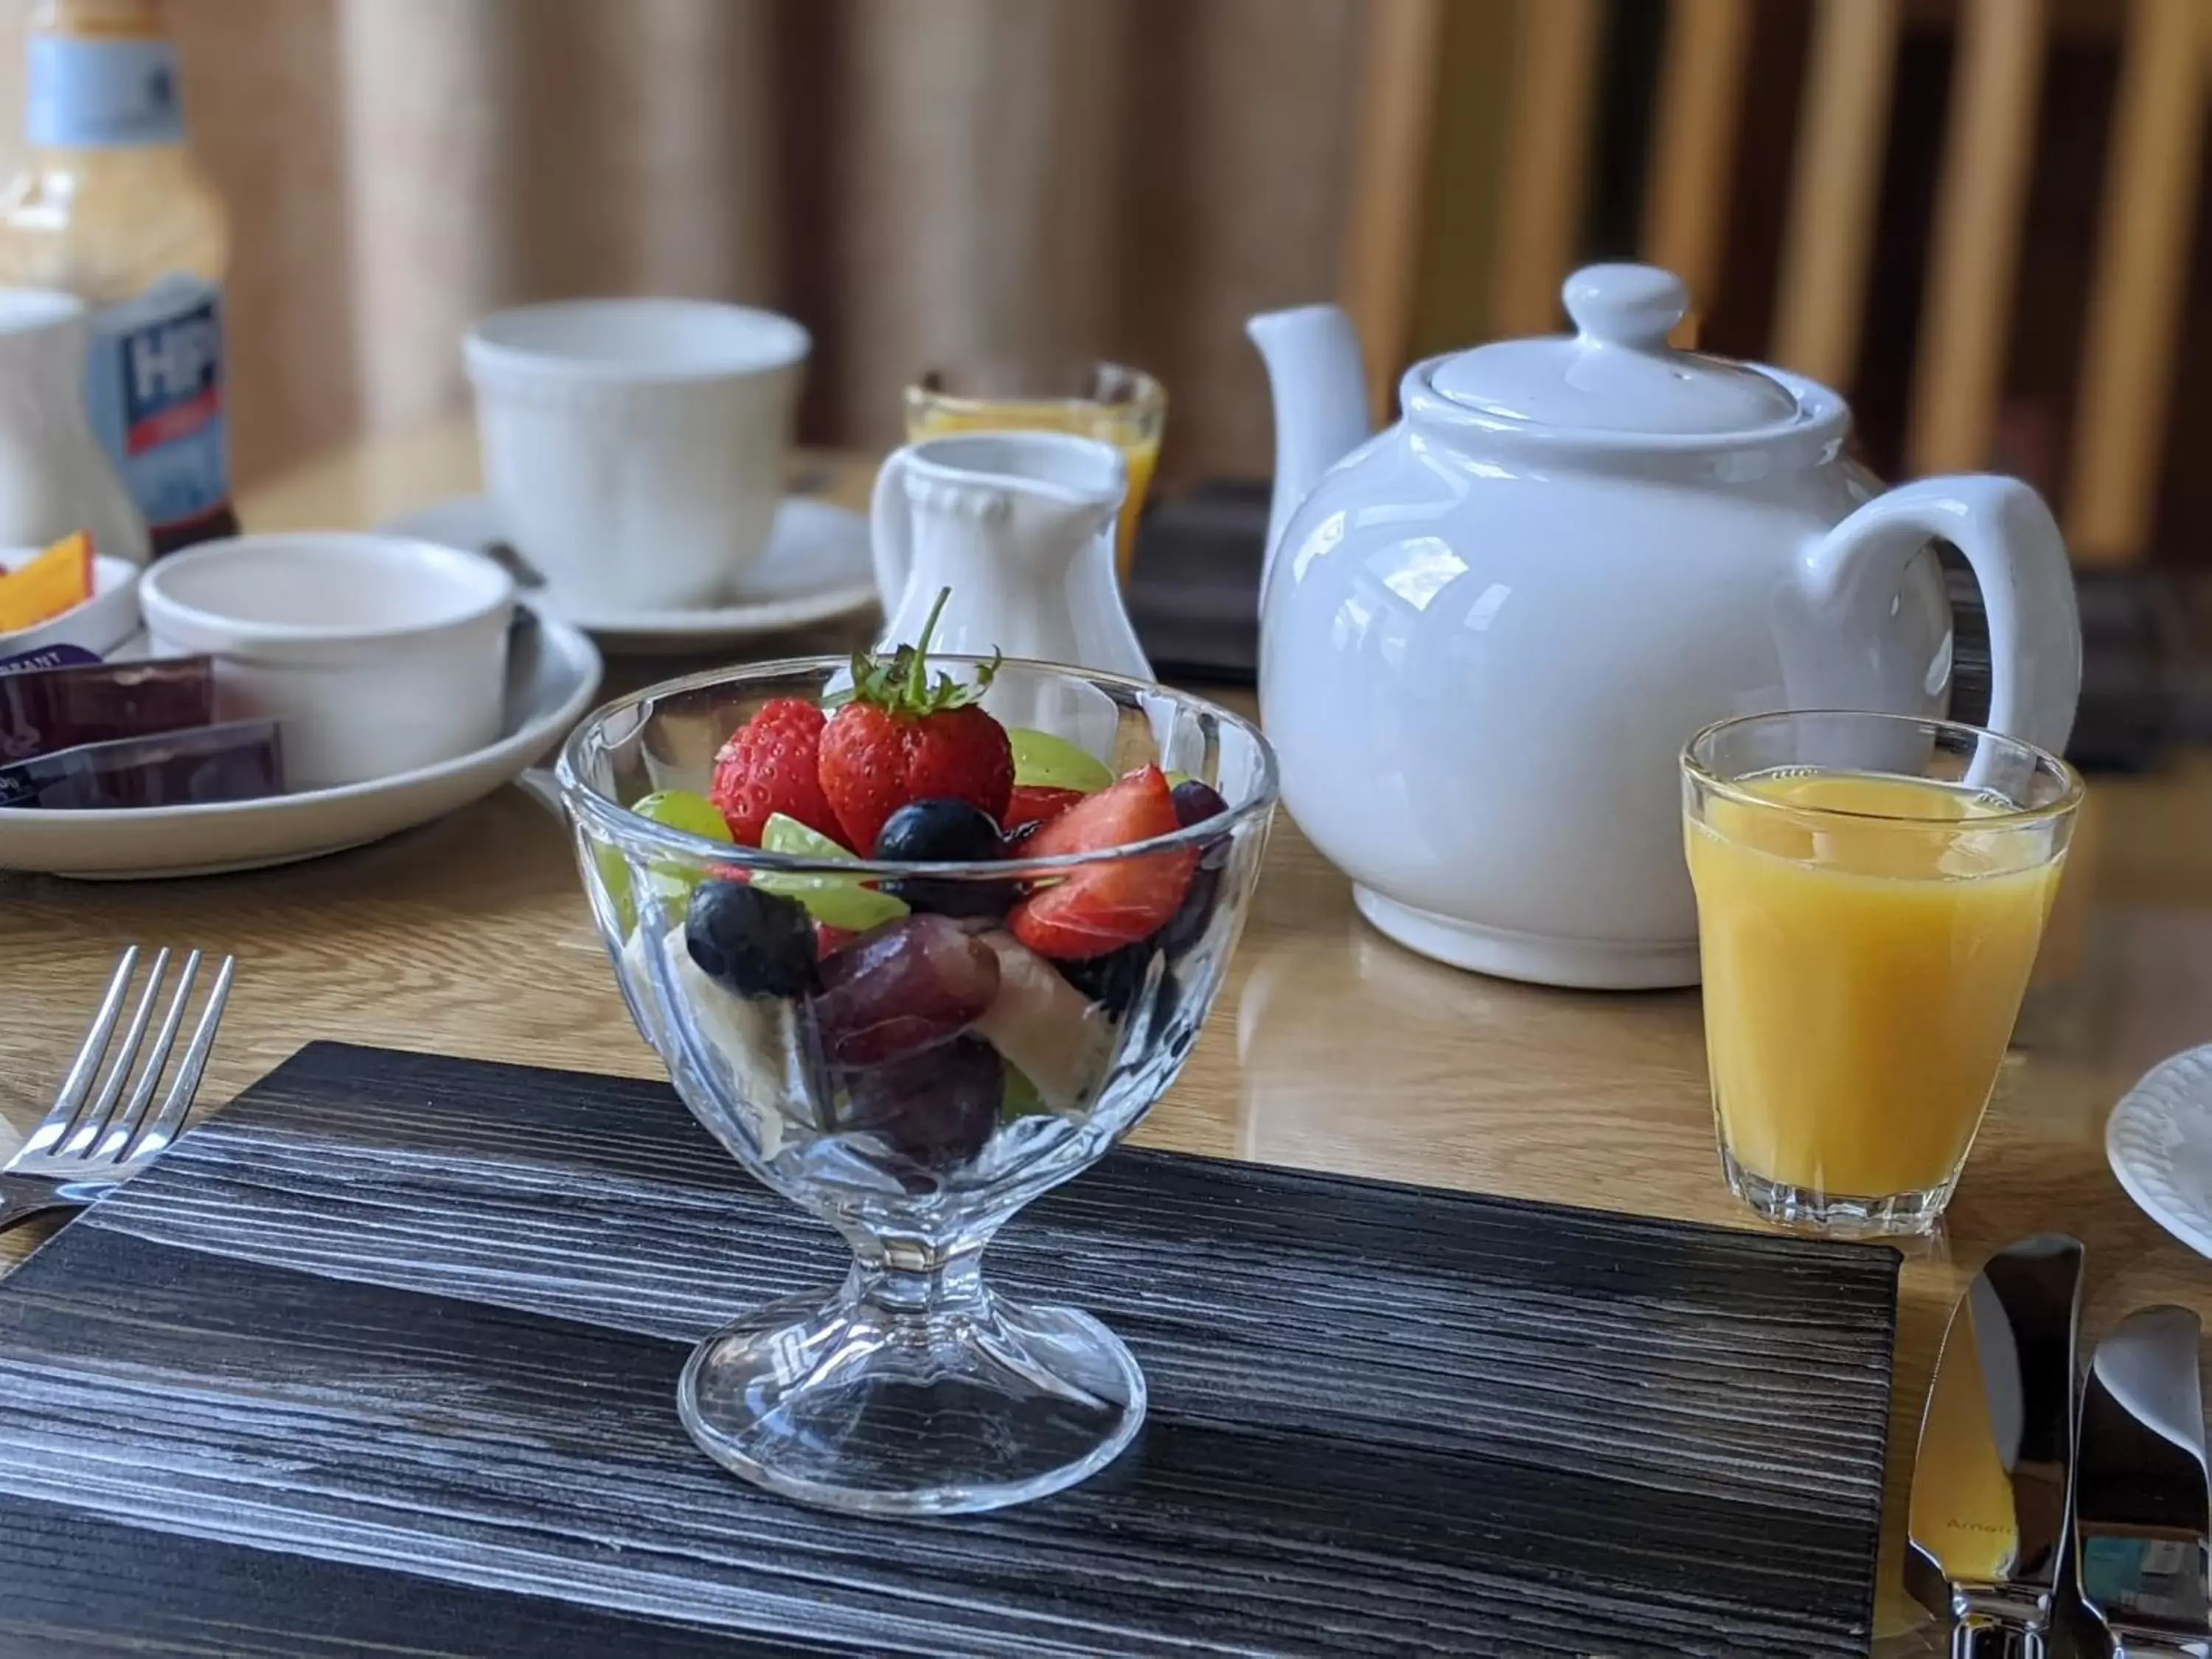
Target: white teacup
635 447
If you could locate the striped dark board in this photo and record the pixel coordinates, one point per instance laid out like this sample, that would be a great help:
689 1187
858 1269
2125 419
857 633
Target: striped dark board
383 1359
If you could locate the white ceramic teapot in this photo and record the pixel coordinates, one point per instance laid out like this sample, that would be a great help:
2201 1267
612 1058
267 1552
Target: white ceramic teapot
1486 633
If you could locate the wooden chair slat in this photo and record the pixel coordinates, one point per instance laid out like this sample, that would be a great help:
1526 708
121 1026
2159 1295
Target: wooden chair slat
1383 236
2135 293
1547 152
1973 268
1694 123
1828 234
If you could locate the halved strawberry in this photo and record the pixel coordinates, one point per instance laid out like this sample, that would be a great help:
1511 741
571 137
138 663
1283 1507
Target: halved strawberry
1034 803
1103 907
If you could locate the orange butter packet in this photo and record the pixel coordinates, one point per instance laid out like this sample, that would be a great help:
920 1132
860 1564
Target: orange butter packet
58 580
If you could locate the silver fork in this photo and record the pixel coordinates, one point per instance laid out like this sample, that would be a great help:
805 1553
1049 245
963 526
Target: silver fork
93 1139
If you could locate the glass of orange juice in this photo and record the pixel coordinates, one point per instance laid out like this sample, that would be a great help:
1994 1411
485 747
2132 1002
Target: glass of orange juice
1124 407
1871 891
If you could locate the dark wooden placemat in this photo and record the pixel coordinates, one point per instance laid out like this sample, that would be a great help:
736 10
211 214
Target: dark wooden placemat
382 1359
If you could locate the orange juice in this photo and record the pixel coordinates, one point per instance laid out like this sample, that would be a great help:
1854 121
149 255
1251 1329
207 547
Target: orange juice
1862 972
1132 426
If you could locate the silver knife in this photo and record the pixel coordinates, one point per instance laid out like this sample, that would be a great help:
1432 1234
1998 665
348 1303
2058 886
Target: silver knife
2143 1509
1987 1527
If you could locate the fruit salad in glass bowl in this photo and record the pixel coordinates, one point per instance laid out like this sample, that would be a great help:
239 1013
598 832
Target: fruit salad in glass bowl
918 938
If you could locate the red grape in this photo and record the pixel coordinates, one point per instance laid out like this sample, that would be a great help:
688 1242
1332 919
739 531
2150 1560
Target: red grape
936 1108
907 985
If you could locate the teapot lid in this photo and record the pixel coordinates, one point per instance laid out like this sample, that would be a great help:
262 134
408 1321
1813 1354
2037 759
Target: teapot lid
1616 373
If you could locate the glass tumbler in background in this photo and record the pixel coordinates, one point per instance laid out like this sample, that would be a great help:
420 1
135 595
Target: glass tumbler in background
1124 407
1871 892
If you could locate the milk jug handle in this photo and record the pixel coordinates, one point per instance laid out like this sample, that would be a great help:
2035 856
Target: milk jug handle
2019 561
890 531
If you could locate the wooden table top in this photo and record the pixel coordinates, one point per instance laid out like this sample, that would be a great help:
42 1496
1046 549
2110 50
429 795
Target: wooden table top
1330 1047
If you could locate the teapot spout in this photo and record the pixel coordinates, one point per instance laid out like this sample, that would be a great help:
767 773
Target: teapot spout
1319 386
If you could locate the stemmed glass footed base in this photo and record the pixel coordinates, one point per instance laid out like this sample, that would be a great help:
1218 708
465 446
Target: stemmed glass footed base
913 1394
910 1050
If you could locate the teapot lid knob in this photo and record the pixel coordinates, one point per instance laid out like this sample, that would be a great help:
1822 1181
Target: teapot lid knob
1616 374
1633 306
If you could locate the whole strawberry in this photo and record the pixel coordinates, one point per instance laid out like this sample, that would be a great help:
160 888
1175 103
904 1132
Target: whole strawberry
902 737
771 764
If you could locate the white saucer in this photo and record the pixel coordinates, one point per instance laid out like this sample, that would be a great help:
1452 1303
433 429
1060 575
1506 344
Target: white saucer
2159 1139
815 567
552 673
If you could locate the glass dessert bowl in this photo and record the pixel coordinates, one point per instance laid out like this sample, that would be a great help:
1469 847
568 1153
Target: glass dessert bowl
914 1044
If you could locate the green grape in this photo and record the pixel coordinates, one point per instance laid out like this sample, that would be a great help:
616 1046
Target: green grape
1018 1096
788 836
839 901
679 809
1045 762
673 809
614 876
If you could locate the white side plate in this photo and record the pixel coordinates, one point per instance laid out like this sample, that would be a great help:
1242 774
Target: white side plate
816 568
2159 1139
552 672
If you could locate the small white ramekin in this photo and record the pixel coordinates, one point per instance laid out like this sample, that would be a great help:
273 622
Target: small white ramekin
376 654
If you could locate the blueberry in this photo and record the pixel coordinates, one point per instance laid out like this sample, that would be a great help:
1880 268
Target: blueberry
944 831
1195 802
756 944
940 831
1165 999
1114 979
1195 914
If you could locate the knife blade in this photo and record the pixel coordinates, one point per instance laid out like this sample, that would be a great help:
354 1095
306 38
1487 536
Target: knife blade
2143 1509
1987 1525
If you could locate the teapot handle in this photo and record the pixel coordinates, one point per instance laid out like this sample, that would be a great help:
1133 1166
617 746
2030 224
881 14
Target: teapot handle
2019 560
890 531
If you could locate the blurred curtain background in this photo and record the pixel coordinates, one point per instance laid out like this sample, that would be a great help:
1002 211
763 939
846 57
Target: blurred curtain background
1978 218
916 180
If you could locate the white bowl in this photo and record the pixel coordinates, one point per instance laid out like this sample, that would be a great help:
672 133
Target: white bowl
635 447
99 625
377 654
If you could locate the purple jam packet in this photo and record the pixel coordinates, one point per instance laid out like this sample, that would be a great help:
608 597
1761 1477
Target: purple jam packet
45 709
47 656
240 760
